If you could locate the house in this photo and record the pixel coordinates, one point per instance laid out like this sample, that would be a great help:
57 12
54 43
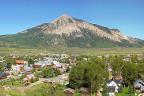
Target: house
139 86
72 60
29 78
113 87
64 56
2 75
27 69
43 63
37 64
19 66
57 64
13 55
69 92
100 57
19 62
109 68
106 55
16 68
8 73
1 61
118 77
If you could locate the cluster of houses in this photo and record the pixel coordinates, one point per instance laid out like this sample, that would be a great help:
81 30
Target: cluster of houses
53 63
23 67
18 69
20 66
114 84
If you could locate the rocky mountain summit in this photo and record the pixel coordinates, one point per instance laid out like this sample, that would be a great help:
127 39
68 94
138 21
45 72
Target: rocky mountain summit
68 31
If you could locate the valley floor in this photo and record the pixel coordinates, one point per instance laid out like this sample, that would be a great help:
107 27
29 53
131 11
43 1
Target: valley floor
72 51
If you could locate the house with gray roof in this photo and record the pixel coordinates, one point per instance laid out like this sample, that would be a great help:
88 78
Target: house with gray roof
139 85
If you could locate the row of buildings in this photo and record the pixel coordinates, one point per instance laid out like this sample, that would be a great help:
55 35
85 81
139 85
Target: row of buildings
23 67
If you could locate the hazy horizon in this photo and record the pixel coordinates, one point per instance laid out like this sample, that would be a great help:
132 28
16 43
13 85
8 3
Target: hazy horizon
125 15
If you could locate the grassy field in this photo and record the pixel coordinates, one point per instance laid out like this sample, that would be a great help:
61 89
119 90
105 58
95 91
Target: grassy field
38 90
125 92
80 51
44 90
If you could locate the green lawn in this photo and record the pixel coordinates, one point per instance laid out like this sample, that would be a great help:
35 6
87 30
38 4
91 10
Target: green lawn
125 92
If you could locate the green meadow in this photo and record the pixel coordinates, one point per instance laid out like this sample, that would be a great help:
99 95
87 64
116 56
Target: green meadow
71 51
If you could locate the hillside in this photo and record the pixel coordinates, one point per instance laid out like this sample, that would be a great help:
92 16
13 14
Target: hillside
67 31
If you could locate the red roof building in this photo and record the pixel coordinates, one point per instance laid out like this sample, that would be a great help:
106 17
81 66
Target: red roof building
19 61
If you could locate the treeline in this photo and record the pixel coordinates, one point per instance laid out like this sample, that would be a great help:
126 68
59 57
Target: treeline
92 72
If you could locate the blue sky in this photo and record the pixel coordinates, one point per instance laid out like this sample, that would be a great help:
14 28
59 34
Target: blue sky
126 15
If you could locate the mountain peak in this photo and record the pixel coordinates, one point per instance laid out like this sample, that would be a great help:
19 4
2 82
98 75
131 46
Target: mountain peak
65 16
72 32
64 19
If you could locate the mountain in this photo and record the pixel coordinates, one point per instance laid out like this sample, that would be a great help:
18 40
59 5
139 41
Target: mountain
67 31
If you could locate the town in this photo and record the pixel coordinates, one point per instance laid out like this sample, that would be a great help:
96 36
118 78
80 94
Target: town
106 75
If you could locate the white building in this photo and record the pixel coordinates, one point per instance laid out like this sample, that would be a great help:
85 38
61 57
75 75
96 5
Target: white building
16 68
112 87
